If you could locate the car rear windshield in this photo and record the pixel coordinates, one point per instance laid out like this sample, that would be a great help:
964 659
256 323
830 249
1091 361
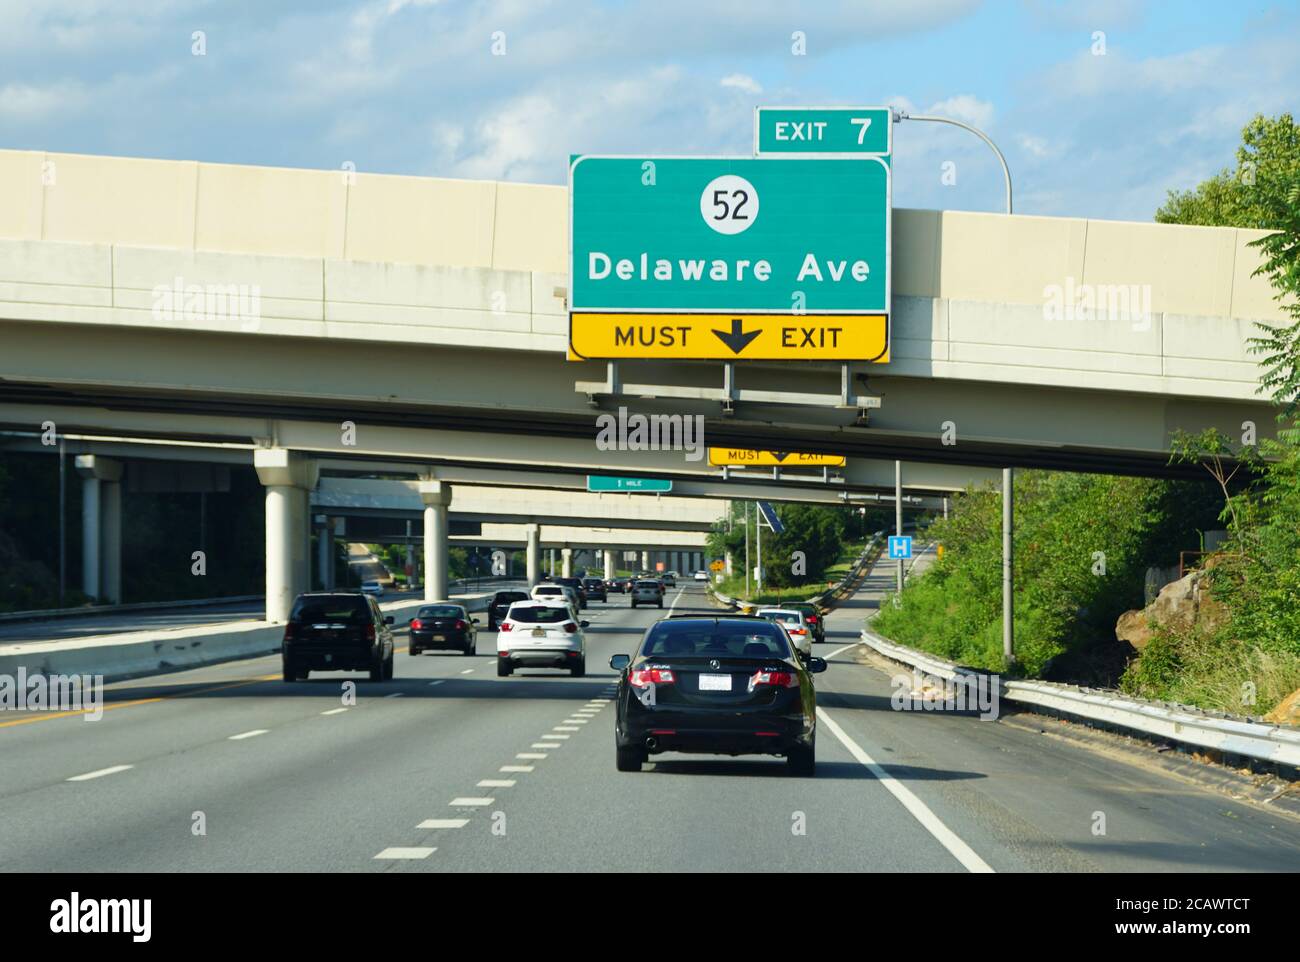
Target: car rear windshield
788 617
334 609
647 584
503 596
712 640
548 590
441 611
532 615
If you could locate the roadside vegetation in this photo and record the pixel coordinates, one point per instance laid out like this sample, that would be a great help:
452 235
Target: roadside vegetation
819 544
1247 658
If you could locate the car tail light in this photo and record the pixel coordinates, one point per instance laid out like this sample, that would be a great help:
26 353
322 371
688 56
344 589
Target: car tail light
570 627
764 678
504 654
370 632
290 631
505 626
644 677
812 619
417 624
460 625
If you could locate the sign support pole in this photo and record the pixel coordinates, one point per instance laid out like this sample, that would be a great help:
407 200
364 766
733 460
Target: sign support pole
1008 602
898 516
746 549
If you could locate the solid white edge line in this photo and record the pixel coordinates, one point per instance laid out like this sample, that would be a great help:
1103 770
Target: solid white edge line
946 837
100 773
840 650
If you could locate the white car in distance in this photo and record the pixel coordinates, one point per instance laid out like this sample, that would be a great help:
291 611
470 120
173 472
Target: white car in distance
552 594
372 588
793 623
541 634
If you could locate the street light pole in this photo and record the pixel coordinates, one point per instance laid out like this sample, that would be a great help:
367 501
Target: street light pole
1008 599
900 115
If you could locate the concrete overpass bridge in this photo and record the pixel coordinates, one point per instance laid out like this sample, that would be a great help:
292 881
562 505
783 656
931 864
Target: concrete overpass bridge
316 317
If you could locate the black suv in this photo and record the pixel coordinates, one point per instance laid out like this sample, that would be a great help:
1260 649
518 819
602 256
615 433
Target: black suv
337 631
595 589
500 604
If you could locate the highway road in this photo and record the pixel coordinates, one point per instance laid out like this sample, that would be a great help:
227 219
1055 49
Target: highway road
450 768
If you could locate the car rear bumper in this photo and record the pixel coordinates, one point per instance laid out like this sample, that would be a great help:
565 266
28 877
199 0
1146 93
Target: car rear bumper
450 639
541 657
330 657
747 733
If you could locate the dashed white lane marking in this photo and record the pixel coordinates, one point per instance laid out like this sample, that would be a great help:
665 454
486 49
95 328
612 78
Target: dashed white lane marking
443 823
530 755
253 734
576 721
438 682
841 650
496 783
946 837
396 694
545 745
100 773
468 671
334 711
415 853
516 768
553 735
567 728
469 802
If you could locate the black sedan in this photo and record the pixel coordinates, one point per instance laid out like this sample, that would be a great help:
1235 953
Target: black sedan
500 604
443 627
595 589
727 685
614 586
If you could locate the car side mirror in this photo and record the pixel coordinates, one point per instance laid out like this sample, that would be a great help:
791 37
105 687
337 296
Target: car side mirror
619 662
816 665
476 621
585 624
388 619
410 621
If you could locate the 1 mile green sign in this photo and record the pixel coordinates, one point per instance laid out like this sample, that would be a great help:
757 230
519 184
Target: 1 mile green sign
602 482
734 258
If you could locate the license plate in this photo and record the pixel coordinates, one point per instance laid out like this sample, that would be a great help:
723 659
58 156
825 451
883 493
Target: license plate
539 632
439 637
715 683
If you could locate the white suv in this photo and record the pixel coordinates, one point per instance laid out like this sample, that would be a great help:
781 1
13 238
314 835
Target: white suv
551 593
541 634
793 622
647 592
372 588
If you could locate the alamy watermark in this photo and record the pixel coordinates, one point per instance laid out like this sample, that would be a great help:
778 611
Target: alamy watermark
37 692
178 301
1092 302
919 692
651 432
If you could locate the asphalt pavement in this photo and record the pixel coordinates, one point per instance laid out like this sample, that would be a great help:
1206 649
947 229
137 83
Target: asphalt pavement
450 768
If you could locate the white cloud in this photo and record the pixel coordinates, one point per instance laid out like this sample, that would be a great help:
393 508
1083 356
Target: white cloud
965 107
741 81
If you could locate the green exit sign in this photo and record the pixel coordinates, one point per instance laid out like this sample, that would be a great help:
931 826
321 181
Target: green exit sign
603 482
823 131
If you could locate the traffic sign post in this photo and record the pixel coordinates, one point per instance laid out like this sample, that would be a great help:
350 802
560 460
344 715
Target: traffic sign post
742 457
730 258
602 482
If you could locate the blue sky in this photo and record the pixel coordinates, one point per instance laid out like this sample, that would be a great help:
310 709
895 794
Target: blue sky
413 86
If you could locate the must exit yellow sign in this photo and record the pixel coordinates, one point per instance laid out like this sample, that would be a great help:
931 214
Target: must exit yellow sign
738 457
743 337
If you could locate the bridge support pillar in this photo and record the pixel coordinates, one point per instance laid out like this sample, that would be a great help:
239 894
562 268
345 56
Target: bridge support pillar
101 521
609 563
288 478
566 562
645 560
436 495
533 554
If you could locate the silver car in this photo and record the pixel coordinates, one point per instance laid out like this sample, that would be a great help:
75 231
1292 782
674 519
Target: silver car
647 592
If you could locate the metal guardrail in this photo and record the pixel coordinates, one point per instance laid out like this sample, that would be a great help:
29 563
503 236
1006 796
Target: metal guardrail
1178 723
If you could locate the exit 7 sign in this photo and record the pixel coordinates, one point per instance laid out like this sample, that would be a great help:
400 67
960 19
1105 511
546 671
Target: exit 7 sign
823 131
